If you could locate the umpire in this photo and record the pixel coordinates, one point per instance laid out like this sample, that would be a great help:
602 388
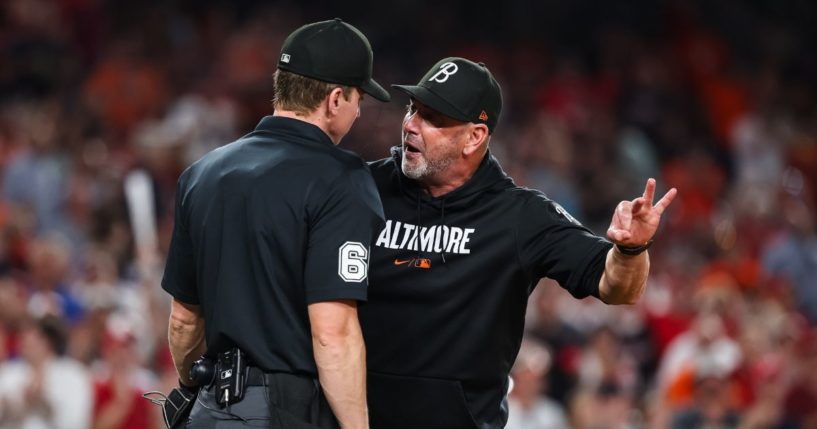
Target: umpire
270 251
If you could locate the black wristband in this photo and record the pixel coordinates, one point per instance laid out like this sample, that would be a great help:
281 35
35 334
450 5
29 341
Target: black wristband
633 250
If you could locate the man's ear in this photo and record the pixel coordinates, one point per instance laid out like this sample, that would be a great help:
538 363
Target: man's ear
477 135
333 101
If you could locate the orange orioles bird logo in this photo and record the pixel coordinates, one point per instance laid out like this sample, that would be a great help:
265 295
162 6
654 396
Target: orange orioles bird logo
414 262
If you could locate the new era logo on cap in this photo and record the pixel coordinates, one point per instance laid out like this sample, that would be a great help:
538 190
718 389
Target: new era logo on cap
285 58
460 89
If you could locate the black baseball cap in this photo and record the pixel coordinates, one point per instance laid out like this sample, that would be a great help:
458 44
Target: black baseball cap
332 51
461 89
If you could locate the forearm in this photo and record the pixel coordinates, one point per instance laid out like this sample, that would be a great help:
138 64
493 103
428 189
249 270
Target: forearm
624 277
341 361
186 341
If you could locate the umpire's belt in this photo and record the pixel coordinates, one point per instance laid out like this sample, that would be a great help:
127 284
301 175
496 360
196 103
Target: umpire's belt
256 377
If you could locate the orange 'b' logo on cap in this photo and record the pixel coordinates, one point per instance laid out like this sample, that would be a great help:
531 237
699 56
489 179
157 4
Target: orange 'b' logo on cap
483 116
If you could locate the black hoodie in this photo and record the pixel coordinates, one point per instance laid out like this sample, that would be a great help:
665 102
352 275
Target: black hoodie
449 283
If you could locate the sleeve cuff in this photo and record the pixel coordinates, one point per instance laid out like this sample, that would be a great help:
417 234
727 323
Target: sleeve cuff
180 296
592 275
336 294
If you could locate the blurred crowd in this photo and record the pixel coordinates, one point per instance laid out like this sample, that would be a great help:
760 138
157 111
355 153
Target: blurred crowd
103 103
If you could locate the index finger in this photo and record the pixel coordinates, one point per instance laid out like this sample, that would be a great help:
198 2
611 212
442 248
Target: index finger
649 191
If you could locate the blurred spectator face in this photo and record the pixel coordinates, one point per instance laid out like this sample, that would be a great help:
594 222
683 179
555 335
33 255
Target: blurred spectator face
709 328
529 371
614 403
118 347
48 261
37 125
35 347
12 303
605 344
606 406
101 269
158 146
527 383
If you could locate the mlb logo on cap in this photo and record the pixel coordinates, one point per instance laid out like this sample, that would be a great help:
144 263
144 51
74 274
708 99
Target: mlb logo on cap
332 51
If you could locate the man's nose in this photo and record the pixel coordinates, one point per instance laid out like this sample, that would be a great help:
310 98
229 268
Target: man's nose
410 123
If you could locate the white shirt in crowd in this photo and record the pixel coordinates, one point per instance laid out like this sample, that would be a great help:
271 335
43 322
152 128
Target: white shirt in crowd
66 388
544 414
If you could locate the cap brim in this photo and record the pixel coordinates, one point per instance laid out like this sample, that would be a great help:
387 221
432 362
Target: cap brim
375 90
432 100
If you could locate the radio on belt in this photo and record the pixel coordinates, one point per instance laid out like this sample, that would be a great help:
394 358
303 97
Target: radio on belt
230 376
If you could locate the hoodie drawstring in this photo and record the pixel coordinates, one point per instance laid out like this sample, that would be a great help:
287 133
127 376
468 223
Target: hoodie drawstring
419 222
442 224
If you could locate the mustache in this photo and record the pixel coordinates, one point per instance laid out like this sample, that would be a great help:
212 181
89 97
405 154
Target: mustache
410 139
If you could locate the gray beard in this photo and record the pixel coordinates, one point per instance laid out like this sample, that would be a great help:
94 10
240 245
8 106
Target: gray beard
415 171
424 168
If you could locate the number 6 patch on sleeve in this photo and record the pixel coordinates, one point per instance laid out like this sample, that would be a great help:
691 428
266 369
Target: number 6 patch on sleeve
353 262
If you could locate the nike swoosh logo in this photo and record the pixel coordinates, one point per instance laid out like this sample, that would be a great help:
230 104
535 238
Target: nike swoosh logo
399 262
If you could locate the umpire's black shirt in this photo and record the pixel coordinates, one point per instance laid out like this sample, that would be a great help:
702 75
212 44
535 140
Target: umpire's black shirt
264 226
450 282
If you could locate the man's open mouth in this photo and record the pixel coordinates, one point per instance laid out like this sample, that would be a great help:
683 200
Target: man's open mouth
408 147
